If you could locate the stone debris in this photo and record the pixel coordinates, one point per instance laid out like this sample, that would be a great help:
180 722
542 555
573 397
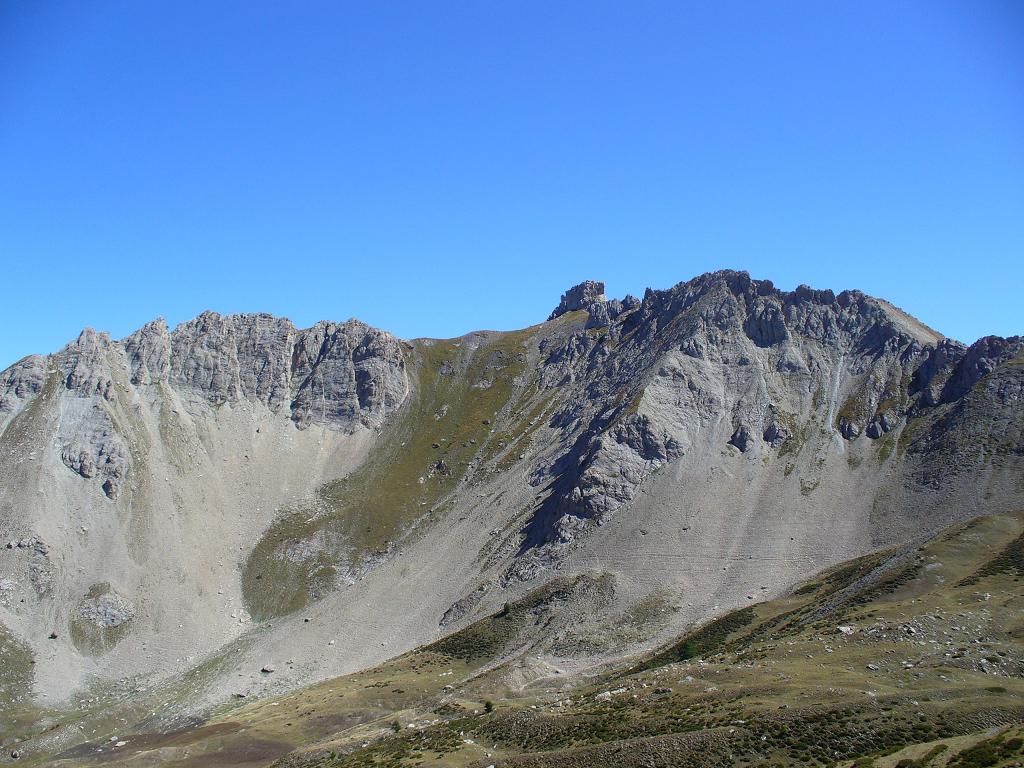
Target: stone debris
107 609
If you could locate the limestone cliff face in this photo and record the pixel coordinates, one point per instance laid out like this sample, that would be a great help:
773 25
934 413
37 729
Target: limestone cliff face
335 374
341 376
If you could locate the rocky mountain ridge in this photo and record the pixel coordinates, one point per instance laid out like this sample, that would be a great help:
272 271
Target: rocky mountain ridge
353 372
855 362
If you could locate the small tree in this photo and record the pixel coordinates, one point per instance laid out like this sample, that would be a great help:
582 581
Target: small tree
488 706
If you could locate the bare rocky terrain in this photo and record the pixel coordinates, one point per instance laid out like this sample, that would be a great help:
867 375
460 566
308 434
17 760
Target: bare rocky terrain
237 507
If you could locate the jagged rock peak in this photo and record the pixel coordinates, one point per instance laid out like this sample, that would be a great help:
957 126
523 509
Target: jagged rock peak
580 296
333 373
801 305
337 374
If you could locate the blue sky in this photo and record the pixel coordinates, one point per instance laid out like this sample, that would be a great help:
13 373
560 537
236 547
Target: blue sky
437 167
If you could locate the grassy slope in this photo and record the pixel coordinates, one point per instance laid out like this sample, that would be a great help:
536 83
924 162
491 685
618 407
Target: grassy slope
444 433
933 672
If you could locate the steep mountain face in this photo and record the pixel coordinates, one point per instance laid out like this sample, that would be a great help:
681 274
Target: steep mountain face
134 471
733 361
334 496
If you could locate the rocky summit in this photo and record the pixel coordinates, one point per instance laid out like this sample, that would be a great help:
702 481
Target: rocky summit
197 521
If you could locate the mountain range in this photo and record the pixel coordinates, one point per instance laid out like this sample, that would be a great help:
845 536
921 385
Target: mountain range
237 509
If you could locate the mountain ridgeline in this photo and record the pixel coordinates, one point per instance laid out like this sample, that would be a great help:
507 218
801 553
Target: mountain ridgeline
239 489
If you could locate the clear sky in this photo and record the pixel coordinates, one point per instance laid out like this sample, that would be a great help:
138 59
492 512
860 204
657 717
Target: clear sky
437 167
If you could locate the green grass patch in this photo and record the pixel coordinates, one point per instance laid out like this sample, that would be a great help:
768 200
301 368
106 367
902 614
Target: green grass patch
1010 560
704 640
445 432
490 637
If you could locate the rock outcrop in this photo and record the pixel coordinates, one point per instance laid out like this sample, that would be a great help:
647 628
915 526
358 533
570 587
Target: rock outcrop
581 296
336 375
20 383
